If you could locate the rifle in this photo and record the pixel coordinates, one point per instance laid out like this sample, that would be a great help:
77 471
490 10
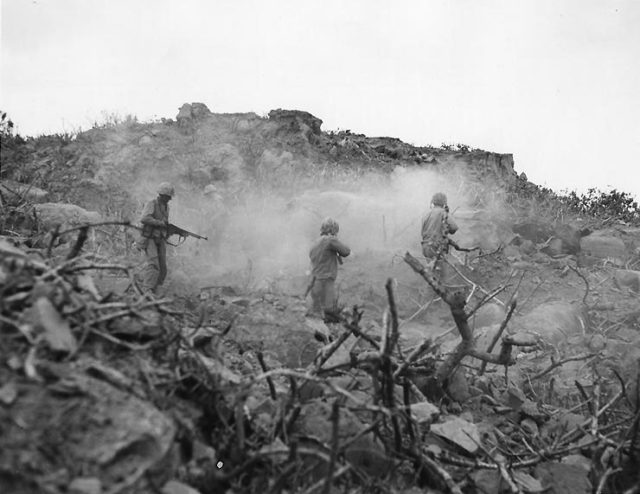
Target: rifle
182 233
309 286
455 245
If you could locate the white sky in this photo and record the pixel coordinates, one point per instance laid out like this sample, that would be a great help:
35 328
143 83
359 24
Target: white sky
555 82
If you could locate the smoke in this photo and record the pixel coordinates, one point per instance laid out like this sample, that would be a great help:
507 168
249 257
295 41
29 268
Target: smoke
266 235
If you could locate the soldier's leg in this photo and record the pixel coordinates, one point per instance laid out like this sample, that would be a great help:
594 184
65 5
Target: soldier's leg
317 297
162 262
329 302
151 269
429 252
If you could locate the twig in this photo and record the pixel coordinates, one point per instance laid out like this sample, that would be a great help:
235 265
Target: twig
555 364
77 246
335 440
504 473
239 419
436 470
586 282
115 267
335 476
406 394
486 299
54 236
391 341
603 481
413 356
393 311
596 406
330 349
359 334
310 377
524 303
488 254
481 288
419 311
113 339
466 347
498 334
263 366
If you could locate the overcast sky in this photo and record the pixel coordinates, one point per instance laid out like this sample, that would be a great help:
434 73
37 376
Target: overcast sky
555 82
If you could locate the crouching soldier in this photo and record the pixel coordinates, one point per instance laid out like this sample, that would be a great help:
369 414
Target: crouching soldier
325 254
153 242
436 228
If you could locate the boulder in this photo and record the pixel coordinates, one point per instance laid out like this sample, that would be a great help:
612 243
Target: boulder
184 113
145 140
14 192
534 231
51 215
548 324
553 247
487 315
194 111
627 279
603 246
459 432
108 439
569 237
553 322
561 478
424 412
199 110
296 120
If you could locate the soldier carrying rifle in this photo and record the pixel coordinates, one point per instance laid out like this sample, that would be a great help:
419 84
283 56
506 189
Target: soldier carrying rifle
153 242
437 225
325 254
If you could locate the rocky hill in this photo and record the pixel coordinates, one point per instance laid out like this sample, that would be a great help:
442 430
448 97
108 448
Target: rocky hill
518 375
199 148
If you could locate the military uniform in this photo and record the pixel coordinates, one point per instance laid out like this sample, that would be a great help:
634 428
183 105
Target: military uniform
324 270
153 242
436 226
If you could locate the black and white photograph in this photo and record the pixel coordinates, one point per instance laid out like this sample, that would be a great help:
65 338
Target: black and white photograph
319 247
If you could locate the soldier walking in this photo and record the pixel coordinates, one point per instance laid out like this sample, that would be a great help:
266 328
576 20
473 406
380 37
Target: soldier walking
436 228
153 243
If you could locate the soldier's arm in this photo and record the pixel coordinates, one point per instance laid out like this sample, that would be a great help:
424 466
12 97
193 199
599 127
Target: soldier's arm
340 248
147 216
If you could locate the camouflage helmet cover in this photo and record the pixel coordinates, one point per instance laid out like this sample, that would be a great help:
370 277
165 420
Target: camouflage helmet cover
439 199
166 189
329 227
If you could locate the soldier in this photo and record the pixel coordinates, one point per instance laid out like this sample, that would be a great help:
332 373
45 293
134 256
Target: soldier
325 254
436 228
155 219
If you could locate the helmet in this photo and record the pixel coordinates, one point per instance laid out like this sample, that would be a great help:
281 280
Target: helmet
439 199
166 189
329 227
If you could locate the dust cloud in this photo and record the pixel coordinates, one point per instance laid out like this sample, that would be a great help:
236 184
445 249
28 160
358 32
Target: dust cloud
263 236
